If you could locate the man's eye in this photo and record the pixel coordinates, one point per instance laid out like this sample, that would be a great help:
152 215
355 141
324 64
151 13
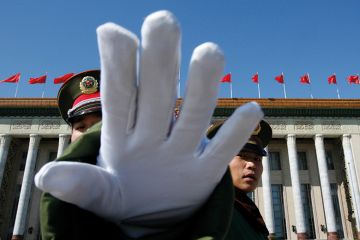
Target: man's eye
80 128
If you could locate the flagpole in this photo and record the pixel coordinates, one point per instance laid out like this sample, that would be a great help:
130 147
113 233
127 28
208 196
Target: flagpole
337 88
284 90
43 92
282 74
310 86
338 94
231 90
259 89
17 85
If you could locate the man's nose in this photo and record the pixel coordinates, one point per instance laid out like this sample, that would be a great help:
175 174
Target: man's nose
251 165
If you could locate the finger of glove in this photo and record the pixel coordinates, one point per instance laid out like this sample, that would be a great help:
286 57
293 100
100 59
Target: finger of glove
230 139
205 69
87 186
117 49
159 68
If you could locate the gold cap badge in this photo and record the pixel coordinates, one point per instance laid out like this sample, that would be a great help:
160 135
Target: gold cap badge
89 85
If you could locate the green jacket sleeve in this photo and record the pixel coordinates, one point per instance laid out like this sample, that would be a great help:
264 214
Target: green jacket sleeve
60 220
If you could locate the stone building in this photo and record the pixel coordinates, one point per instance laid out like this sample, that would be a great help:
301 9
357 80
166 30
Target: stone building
310 184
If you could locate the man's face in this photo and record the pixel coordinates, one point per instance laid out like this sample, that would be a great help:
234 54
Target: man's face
246 170
82 124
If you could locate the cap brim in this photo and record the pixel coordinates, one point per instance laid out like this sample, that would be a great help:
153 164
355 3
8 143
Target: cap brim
254 149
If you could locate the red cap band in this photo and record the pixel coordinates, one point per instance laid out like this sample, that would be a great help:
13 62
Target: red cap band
84 97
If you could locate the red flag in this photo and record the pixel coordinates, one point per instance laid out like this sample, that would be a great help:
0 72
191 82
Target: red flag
255 78
332 79
305 79
353 79
226 78
63 78
280 78
37 80
13 79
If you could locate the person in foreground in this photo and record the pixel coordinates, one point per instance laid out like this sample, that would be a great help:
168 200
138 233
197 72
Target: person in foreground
141 174
246 169
80 106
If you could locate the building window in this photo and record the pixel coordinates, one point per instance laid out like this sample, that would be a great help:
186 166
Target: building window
329 160
22 166
14 210
302 161
15 202
23 161
309 218
52 156
278 208
274 159
335 201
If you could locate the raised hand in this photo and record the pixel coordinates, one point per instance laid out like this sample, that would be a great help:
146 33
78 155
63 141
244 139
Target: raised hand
152 171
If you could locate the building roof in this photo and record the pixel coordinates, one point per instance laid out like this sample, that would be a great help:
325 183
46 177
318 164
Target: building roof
225 106
28 107
294 107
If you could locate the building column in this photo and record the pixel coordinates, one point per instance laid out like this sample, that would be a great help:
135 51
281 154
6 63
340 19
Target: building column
295 182
350 171
325 188
63 143
25 193
268 205
5 140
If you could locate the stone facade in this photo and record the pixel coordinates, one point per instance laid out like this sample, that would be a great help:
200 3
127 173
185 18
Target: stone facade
310 184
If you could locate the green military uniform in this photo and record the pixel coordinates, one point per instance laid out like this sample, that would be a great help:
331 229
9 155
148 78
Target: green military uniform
247 222
61 220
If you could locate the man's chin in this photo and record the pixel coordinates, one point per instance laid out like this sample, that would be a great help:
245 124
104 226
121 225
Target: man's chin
247 188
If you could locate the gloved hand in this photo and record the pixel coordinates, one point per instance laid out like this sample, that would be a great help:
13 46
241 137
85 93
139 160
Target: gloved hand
152 171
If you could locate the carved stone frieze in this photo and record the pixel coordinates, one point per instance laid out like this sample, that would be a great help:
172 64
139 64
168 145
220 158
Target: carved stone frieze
304 125
331 125
278 125
47 124
21 124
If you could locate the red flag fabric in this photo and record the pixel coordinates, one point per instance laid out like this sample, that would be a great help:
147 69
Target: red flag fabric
332 79
280 78
38 80
226 78
353 79
13 79
255 78
63 78
305 79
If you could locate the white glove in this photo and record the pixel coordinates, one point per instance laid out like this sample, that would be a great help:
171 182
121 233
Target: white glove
152 171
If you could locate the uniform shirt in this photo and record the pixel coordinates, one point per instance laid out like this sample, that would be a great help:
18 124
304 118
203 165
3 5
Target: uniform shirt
247 222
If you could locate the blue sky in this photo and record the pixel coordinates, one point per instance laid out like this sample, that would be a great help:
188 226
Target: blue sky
319 37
